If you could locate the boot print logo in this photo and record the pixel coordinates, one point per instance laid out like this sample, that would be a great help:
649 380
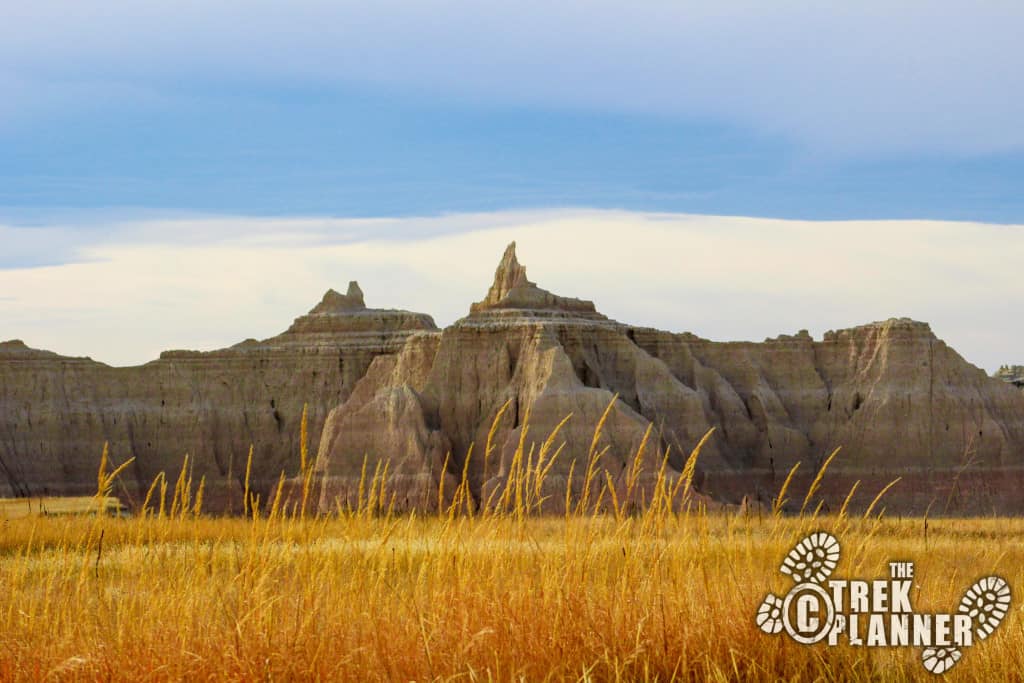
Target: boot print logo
876 613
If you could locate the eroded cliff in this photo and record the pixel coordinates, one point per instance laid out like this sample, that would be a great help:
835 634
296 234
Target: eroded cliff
388 386
898 400
56 412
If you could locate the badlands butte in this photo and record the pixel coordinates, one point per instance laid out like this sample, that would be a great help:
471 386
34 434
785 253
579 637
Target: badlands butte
385 385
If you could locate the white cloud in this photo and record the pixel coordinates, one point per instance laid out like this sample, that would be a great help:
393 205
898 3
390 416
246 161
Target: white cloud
210 282
868 78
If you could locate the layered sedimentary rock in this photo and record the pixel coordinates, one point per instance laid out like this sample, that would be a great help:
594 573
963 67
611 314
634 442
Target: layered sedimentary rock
425 407
897 400
56 412
424 401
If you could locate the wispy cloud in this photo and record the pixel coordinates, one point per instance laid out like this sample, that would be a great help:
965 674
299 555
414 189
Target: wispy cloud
210 282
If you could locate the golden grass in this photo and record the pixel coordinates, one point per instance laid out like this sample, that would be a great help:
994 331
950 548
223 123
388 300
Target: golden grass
669 593
484 598
13 508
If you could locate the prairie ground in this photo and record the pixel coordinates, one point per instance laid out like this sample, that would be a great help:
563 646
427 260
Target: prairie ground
659 596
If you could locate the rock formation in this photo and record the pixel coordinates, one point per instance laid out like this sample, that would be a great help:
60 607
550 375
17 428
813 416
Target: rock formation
897 399
399 391
1012 374
512 291
441 393
57 412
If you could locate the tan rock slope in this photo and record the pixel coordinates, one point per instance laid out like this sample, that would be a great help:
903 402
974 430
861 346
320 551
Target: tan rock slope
897 399
56 412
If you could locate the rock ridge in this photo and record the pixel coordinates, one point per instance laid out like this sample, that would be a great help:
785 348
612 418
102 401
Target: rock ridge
895 397
513 294
388 385
57 412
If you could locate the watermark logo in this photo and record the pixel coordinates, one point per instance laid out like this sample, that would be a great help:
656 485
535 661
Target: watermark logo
876 613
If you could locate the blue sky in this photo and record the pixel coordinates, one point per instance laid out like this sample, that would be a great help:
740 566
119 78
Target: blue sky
363 151
115 117
792 109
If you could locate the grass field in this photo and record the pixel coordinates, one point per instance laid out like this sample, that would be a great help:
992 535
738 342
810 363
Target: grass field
602 593
13 508
667 596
